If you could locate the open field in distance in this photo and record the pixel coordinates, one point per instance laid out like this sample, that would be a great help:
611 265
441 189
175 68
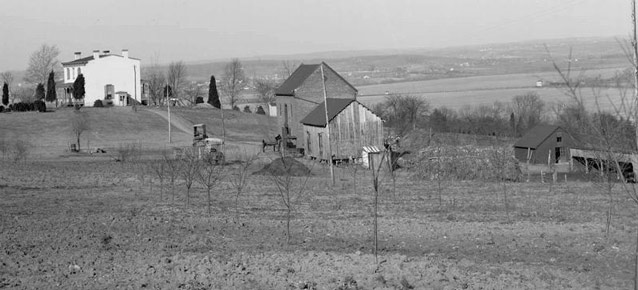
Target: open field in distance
485 90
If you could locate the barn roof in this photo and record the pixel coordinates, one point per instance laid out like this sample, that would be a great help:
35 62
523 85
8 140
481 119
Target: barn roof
299 76
296 79
536 136
317 117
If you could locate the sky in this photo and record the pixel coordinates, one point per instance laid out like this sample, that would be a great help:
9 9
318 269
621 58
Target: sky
161 31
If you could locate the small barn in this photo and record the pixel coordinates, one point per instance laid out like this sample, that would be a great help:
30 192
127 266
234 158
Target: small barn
352 126
543 144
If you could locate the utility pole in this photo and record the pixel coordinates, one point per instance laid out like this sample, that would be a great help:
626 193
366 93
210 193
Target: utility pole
634 48
168 104
221 109
325 101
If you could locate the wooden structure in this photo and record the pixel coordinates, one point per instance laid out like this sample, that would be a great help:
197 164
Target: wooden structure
352 126
544 144
301 93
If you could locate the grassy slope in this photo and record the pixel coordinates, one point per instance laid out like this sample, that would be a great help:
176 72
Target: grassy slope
239 126
110 127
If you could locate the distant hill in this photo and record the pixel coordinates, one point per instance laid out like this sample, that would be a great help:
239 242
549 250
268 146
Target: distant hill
388 66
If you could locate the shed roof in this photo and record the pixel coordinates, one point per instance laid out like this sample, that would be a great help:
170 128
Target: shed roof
299 76
317 117
536 136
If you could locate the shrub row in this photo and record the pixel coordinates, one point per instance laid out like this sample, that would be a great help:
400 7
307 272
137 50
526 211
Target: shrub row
39 106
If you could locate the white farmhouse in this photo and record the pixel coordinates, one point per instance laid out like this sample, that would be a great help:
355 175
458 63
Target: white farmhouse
112 78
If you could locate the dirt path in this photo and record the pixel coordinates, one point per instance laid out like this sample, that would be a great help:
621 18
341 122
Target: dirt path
177 121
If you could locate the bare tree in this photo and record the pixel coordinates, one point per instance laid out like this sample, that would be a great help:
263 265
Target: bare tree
159 168
288 67
289 190
209 174
402 112
23 93
41 62
176 78
233 81
79 124
189 169
156 82
173 169
529 109
193 91
266 90
239 179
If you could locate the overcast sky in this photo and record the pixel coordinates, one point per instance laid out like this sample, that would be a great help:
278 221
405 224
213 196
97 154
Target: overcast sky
169 30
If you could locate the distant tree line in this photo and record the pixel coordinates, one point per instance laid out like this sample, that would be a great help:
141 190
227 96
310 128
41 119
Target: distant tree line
403 113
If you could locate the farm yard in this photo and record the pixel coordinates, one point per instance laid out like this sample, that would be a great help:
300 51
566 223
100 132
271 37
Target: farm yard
96 223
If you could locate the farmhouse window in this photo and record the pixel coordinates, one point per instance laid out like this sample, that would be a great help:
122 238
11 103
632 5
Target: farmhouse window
68 73
308 141
559 137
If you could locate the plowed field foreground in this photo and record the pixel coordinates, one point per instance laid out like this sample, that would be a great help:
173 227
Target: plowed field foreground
105 225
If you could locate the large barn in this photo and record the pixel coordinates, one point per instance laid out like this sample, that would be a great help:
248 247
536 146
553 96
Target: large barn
352 126
302 92
543 144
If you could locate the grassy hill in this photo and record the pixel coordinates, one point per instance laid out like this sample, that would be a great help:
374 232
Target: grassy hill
50 133
240 127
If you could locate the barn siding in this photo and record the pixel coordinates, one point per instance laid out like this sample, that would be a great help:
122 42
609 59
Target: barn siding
308 96
353 128
547 147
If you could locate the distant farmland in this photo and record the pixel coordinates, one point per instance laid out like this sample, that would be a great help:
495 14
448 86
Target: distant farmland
458 92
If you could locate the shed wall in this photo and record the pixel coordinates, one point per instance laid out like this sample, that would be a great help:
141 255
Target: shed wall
353 128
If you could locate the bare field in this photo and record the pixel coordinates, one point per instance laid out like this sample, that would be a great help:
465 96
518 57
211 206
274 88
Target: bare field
485 90
101 225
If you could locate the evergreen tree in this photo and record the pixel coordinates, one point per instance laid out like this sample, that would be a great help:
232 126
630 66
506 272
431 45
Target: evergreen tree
5 94
39 92
168 92
78 87
213 95
51 94
260 110
247 109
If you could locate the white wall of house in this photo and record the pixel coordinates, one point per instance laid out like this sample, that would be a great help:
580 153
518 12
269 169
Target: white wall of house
121 72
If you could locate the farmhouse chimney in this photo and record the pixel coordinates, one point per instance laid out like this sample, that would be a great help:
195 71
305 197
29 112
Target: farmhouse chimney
96 54
78 54
125 53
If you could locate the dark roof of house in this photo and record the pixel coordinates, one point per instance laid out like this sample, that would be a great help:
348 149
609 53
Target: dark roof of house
536 136
317 117
85 60
299 76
